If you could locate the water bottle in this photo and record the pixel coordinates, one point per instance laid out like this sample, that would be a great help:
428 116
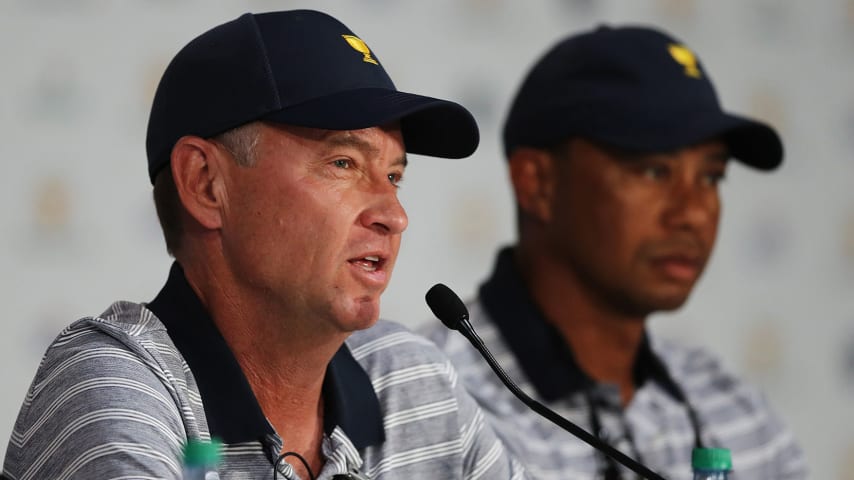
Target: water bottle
711 463
201 459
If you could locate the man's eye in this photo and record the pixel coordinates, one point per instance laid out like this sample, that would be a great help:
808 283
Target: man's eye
714 178
395 179
342 163
655 172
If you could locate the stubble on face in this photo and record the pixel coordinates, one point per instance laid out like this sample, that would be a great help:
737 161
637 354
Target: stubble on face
636 231
314 227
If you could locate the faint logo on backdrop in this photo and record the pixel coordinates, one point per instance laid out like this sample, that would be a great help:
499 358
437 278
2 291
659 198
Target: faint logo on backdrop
682 10
771 19
764 349
474 222
769 237
54 94
51 206
50 219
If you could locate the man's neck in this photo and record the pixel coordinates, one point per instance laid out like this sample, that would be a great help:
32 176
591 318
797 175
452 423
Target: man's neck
284 366
287 379
604 341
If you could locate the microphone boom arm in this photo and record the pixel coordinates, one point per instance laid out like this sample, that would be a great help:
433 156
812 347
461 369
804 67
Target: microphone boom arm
468 331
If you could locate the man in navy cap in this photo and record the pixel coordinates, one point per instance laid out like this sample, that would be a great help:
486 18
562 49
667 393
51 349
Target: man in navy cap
616 143
276 144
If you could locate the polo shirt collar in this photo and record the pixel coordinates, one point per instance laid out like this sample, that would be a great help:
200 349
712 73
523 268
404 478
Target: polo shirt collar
546 359
232 411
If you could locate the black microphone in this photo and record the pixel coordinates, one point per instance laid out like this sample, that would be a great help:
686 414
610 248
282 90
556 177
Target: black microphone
448 308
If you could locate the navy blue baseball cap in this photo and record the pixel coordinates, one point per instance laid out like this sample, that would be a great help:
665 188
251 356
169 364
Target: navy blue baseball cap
298 67
634 88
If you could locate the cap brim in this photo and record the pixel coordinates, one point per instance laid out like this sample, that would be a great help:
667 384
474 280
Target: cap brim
751 142
430 126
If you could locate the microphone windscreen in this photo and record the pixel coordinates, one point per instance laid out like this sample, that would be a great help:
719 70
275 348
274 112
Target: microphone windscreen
446 305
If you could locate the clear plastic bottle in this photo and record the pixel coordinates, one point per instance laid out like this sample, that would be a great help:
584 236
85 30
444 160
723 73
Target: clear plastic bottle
201 459
711 463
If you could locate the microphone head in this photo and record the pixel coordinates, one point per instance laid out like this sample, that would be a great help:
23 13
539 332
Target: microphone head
447 306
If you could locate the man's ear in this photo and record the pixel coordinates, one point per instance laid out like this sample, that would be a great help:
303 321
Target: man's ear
196 168
532 176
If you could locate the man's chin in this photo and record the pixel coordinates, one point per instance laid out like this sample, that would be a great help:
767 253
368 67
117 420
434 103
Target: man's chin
643 304
365 313
668 302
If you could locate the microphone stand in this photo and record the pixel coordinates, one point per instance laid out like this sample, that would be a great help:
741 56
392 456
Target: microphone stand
448 307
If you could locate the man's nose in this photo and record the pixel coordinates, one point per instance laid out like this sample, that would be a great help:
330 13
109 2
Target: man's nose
691 205
385 214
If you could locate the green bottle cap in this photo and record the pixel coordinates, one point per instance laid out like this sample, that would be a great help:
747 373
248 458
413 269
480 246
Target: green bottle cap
711 459
198 453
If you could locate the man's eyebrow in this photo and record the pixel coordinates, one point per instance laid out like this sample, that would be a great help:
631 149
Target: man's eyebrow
347 139
722 156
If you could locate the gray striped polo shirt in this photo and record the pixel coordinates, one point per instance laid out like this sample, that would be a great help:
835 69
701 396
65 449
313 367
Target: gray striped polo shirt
117 395
655 427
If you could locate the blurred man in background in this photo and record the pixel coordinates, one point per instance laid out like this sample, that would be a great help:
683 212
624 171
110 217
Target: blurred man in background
275 144
616 144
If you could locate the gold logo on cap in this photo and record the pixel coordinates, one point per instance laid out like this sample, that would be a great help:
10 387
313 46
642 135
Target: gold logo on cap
686 58
361 47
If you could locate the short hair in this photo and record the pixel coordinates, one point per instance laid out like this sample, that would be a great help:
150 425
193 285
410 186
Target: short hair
240 142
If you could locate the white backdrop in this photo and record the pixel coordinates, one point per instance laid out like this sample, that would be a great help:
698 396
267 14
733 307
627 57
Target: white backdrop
79 228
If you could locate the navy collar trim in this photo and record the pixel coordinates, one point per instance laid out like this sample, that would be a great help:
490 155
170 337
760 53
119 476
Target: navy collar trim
232 411
546 359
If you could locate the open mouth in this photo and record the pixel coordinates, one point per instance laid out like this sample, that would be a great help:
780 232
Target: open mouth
370 263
